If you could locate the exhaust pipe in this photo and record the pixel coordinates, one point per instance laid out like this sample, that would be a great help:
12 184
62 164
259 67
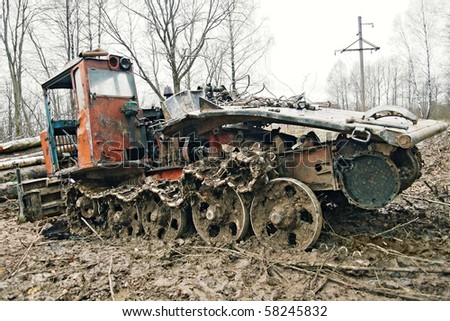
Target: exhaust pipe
93 53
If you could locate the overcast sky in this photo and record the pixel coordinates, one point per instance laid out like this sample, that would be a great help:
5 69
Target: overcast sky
307 32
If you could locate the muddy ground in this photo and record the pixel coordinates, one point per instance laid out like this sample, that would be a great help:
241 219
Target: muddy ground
401 252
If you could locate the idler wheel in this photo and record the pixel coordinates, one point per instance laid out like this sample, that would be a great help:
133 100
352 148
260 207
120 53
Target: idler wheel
370 180
219 215
286 213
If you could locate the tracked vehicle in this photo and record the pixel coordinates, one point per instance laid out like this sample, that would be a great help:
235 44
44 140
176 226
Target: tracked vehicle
227 168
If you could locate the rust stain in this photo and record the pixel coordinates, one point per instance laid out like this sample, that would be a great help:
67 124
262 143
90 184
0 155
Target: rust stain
46 150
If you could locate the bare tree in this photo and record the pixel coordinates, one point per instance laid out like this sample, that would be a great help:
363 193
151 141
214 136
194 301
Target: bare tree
182 28
245 45
16 19
91 29
447 46
391 80
374 83
338 84
419 37
422 27
74 25
238 45
355 87
123 29
213 57
411 75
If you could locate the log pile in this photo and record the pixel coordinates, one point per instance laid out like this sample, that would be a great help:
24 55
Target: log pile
25 154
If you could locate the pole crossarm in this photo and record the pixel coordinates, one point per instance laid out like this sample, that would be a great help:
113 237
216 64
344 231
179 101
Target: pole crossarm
372 47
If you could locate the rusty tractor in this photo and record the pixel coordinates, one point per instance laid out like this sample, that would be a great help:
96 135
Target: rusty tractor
220 167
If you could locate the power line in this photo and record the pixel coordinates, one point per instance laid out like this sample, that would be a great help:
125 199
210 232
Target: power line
361 49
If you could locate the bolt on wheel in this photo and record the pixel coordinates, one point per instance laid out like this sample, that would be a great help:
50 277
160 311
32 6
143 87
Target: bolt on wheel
286 213
219 215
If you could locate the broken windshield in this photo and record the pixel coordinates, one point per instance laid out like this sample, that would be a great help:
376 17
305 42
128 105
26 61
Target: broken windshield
112 83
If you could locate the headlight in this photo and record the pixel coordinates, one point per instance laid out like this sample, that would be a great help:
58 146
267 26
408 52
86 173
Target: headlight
125 63
113 62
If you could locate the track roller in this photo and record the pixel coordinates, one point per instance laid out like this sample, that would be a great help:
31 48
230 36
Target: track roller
219 215
163 222
124 218
286 213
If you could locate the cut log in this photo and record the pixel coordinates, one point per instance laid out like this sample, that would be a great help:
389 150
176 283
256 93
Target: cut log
18 158
20 144
21 153
31 172
8 191
21 162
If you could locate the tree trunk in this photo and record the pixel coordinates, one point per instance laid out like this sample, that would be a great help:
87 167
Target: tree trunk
232 54
176 84
17 107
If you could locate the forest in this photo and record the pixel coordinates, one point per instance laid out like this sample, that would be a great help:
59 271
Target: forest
185 44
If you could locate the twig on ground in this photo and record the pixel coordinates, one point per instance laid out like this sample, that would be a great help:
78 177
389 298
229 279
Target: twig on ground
110 279
432 189
276 270
314 279
425 199
63 293
396 227
352 268
92 229
370 289
307 266
16 268
386 292
23 244
397 253
321 285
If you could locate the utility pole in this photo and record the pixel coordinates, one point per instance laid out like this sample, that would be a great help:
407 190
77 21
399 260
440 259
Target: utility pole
361 49
361 64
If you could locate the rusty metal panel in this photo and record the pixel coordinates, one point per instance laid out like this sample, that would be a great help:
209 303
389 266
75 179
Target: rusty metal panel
109 129
84 139
395 130
46 150
103 132
171 174
313 166
84 143
181 104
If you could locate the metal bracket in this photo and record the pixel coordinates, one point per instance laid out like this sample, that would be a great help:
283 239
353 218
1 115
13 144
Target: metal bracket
361 130
384 111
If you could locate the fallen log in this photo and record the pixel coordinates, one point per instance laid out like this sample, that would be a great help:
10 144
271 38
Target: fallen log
15 157
30 172
20 153
8 191
20 144
21 162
